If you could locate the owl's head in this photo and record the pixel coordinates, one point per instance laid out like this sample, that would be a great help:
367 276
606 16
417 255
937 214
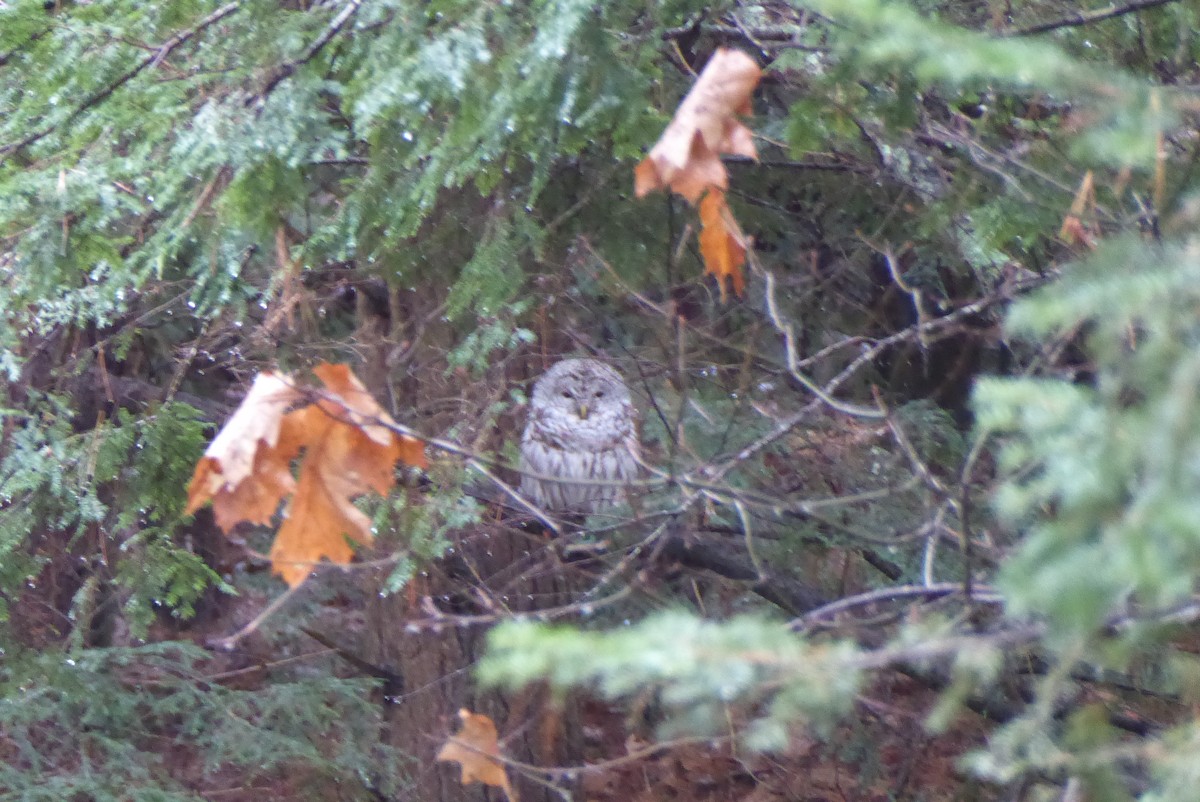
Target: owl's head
588 394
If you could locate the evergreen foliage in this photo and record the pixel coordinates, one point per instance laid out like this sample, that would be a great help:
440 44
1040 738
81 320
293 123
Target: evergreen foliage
702 667
974 233
104 723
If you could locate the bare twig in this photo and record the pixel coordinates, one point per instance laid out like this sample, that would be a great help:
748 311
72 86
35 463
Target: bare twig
787 331
289 68
1086 17
227 643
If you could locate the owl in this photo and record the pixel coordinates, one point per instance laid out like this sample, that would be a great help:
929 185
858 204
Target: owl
580 427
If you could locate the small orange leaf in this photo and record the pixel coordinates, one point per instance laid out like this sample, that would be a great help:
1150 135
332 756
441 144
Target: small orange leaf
476 748
686 157
722 243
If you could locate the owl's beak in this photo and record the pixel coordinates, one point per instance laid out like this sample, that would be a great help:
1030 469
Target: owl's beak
583 411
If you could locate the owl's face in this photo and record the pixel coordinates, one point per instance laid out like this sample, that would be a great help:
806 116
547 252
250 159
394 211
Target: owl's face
587 401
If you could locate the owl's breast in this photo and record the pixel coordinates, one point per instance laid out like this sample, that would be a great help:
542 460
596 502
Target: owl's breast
600 431
576 456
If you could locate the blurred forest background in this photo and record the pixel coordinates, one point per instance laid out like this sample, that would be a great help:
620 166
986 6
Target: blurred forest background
922 513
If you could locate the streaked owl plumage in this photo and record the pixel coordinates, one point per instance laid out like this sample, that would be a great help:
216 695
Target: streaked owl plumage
581 426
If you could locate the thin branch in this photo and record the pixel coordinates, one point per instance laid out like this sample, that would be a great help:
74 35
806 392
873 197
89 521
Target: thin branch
800 164
439 618
393 678
786 330
289 68
1086 17
910 452
227 643
904 592
1003 295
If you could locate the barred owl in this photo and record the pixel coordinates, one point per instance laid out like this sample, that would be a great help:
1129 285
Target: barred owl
580 427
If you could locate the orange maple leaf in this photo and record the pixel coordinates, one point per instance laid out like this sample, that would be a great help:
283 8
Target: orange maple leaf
349 449
476 747
686 157
722 243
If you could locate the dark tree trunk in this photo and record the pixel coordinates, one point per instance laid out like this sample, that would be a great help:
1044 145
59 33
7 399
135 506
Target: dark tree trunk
495 570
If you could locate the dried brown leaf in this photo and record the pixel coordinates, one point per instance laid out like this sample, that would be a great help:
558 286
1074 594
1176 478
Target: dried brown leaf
476 748
244 471
722 243
687 156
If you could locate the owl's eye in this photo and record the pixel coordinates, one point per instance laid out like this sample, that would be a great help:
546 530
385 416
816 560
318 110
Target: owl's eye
566 393
599 393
